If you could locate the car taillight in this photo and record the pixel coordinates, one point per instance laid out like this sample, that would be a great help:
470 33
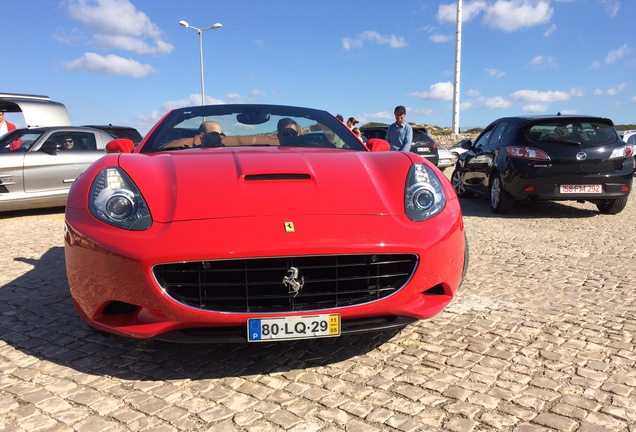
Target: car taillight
527 153
623 151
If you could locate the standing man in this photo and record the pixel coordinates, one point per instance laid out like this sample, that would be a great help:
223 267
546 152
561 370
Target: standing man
400 134
5 126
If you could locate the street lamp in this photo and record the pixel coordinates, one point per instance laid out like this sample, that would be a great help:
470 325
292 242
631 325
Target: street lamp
199 32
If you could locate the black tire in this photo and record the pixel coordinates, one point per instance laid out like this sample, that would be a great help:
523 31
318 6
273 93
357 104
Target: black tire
459 187
611 206
500 201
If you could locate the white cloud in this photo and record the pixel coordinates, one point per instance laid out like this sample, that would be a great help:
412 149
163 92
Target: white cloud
535 108
495 73
374 37
495 102
506 15
448 13
613 91
513 15
382 115
535 96
530 100
110 65
145 121
438 38
617 54
550 30
117 24
611 7
543 62
439 91
251 96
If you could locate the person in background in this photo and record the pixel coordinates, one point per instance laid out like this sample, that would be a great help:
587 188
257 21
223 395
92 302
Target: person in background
5 126
340 117
68 143
351 123
358 133
400 134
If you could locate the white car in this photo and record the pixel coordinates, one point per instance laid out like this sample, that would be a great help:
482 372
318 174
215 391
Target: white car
39 163
629 136
456 149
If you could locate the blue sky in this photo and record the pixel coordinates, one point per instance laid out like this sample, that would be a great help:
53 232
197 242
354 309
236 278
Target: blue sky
128 62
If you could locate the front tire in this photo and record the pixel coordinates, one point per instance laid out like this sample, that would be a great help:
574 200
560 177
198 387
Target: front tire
612 206
460 189
500 200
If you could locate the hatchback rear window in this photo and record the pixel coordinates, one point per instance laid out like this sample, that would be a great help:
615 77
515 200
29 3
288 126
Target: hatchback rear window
581 132
421 137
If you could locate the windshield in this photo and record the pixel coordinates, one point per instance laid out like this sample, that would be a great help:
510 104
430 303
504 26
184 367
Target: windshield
585 133
249 125
19 140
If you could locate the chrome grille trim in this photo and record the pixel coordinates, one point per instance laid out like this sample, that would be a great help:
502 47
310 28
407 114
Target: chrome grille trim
256 285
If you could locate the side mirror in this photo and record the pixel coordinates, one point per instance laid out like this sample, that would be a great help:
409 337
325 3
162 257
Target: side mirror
378 145
466 145
121 145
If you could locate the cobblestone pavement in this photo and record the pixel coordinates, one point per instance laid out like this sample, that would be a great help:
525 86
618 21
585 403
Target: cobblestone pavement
541 337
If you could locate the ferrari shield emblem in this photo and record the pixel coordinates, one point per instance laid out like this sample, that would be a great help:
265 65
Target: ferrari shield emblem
289 227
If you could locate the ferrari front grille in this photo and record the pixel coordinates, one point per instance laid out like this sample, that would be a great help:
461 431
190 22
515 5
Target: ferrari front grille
285 284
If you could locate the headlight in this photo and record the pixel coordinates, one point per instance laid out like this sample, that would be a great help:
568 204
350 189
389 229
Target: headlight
115 199
424 195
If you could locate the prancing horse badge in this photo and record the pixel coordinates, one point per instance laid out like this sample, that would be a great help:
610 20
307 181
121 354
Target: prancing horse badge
289 227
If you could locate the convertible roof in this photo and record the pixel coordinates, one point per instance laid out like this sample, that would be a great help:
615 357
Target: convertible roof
37 110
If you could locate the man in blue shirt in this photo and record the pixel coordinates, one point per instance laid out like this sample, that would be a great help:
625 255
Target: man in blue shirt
400 134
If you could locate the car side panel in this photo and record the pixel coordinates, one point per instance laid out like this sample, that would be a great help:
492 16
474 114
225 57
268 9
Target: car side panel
47 172
11 173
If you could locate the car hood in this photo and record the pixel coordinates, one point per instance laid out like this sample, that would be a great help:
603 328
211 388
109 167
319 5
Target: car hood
241 182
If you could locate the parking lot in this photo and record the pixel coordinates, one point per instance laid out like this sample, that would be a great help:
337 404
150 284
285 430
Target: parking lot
541 337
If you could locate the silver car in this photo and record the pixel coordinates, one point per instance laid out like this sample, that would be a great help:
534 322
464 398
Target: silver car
446 158
38 165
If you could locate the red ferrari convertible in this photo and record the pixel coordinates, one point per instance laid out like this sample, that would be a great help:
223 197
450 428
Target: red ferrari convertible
260 223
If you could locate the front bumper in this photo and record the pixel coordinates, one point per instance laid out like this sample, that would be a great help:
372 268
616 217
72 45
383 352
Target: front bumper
110 271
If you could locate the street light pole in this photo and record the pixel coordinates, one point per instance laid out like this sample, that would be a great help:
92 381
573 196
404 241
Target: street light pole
458 60
200 33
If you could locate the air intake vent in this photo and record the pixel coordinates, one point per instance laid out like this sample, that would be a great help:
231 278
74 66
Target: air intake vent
260 177
256 285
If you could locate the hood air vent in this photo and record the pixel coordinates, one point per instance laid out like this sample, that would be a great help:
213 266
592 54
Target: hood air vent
260 177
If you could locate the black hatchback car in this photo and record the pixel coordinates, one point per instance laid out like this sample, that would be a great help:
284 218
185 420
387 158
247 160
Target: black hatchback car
121 132
561 157
422 144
